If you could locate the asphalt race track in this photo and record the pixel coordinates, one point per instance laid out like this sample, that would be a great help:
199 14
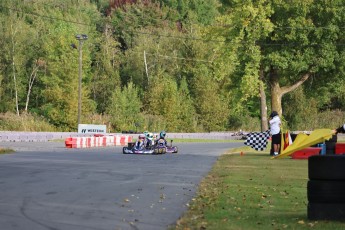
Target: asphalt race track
45 186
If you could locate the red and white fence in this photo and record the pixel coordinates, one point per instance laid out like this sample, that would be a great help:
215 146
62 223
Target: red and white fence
97 141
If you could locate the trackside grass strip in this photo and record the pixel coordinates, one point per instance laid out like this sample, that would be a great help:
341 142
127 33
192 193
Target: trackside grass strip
4 151
252 191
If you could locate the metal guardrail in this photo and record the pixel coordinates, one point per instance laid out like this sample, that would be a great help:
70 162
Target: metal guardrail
12 136
9 136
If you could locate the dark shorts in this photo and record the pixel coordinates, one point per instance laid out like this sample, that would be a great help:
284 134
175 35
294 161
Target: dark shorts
276 138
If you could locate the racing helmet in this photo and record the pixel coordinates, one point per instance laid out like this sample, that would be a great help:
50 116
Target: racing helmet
141 137
146 134
162 134
150 136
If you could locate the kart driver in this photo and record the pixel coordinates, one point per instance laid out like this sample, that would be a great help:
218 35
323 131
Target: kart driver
149 138
141 142
161 140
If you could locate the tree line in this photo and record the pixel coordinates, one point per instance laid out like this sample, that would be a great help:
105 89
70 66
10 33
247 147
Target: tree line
177 65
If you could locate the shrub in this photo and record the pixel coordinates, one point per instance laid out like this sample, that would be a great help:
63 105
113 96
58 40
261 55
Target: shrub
25 122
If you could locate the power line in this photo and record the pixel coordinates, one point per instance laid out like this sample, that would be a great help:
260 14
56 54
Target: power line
226 41
179 58
171 36
181 37
44 16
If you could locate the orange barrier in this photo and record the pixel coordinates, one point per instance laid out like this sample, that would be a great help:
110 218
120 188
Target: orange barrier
97 141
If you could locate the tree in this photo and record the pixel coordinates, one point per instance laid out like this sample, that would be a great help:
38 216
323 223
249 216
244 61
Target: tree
162 100
194 11
291 41
39 64
237 59
125 108
210 106
106 62
311 44
57 97
18 52
186 111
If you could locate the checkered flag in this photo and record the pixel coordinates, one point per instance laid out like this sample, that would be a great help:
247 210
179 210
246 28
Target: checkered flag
257 140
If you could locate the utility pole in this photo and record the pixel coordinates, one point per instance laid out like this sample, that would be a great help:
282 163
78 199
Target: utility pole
81 38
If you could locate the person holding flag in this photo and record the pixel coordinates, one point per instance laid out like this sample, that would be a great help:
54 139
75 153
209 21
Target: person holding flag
341 129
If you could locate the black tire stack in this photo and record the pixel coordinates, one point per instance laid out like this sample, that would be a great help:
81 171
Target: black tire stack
326 187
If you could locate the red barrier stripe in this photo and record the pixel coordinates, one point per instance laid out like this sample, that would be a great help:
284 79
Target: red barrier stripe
98 141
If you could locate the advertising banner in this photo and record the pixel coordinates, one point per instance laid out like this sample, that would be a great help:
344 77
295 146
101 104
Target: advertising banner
87 128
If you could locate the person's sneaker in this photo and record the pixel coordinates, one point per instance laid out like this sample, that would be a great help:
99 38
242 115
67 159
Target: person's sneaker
275 153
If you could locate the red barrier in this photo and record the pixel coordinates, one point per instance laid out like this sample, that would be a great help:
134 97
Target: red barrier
339 148
122 140
306 153
97 141
69 142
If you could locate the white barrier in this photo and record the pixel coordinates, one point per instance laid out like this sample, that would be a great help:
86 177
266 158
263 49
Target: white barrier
97 141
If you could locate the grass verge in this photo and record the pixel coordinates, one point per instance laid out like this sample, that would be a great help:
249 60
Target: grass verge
253 191
4 151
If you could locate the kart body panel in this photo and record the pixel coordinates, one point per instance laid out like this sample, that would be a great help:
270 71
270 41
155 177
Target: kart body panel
158 148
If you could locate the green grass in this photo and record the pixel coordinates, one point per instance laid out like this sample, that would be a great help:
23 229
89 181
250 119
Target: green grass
252 191
4 151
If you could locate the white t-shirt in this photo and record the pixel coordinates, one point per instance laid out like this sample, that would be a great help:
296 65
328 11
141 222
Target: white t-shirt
275 125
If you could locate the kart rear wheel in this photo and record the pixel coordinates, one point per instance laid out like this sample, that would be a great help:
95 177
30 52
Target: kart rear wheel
175 150
161 151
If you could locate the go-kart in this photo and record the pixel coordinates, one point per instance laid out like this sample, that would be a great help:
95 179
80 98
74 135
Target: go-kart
140 148
137 148
161 147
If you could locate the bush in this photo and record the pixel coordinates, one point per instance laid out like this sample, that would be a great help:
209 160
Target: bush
25 122
246 123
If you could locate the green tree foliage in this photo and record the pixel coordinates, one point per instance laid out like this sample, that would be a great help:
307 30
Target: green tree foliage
240 28
154 63
313 40
303 114
18 53
300 111
127 22
194 11
186 111
179 65
105 73
211 107
125 108
58 94
162 99
288 40
171 103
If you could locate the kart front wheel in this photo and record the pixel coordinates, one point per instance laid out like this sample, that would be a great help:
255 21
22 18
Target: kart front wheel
124 150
